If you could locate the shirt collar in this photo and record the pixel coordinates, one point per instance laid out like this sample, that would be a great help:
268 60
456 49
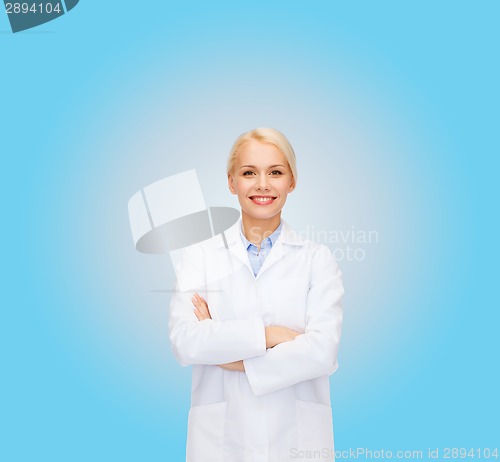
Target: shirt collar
232 236
271 238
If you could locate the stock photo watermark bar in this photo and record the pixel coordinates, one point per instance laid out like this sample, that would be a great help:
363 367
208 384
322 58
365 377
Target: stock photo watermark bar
445 453
26 15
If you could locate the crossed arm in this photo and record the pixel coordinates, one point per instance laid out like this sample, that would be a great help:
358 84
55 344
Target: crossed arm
267 354
274 334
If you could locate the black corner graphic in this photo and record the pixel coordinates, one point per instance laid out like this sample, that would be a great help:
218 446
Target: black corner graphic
29 14
70 4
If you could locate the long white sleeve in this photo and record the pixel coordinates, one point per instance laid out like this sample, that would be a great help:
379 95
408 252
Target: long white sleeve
208 341
314 353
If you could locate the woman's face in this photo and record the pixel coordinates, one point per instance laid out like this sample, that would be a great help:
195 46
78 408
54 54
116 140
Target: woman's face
262 179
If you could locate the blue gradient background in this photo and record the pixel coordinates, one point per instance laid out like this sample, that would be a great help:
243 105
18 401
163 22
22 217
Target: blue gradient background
392 108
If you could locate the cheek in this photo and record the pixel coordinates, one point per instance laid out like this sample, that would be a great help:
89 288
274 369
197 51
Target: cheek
284 187
242 187
235 186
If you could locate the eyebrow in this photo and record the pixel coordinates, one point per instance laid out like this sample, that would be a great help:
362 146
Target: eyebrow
253 166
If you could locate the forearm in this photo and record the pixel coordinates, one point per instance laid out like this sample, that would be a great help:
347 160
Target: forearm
278 334
274 336
309 356
223 343
217 342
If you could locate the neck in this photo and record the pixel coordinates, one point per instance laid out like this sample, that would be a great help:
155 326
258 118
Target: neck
257 230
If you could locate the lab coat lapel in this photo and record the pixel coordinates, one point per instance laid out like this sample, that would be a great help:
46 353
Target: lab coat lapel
283 244
277 253
236 246
239 252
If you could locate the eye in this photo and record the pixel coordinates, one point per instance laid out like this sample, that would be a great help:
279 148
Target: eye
247 173
276 172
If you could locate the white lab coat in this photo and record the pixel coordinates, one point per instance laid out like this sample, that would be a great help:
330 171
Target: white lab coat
279 408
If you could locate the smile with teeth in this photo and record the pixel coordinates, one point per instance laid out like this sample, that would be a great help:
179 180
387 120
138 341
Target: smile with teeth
262 200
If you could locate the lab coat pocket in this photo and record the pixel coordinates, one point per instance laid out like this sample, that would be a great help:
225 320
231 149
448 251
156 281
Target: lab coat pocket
315 428
206 432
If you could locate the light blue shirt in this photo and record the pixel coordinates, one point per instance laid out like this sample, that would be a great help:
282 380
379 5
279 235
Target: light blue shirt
257 258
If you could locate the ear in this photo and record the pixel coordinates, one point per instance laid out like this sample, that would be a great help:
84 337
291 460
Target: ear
292 185
230 183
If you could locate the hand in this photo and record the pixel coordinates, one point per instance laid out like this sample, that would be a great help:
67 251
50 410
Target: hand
236 366
279 334
201 307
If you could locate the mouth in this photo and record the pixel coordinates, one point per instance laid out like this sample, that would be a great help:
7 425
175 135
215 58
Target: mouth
262 200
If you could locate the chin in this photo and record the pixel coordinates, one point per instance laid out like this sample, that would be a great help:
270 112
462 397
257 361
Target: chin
262 216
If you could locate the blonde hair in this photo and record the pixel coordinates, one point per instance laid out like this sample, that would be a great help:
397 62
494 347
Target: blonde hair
265 135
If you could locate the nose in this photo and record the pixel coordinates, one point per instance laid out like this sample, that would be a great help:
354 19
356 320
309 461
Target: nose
263 183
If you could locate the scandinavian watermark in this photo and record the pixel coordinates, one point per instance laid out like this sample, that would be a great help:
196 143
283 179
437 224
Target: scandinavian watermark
347 245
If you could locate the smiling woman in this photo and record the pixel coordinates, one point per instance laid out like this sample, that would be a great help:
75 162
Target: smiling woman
261 176
264 339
